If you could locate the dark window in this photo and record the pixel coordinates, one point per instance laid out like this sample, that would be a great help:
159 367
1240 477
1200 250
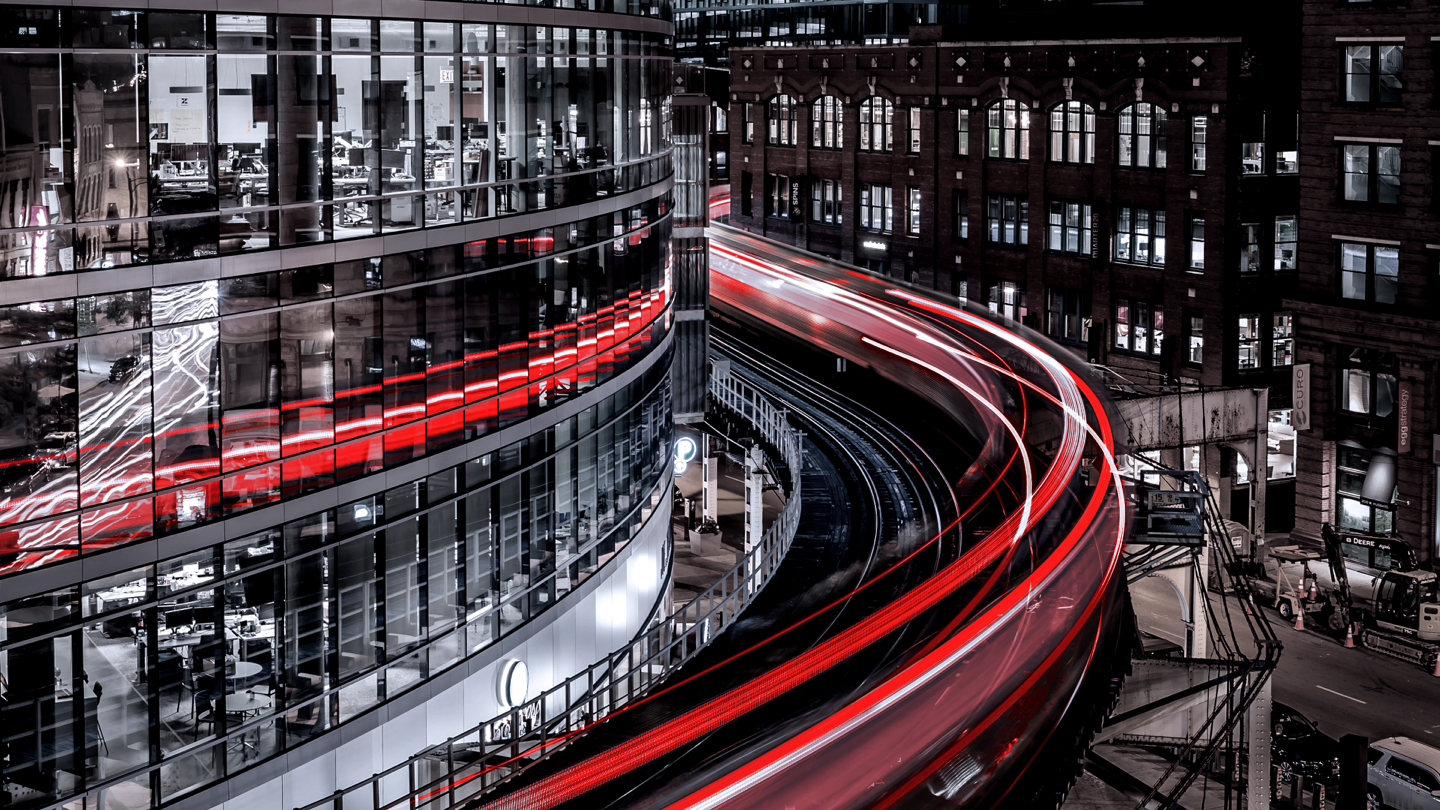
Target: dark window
1007 219
777 196
1142 136
912 212
825 202
1008 129
914 130
1369 272
1140 236
749 130
1008 300
1067 315
747 193
1417 775
1072 133
1367 383
1250 247
960 202
1370 173
1371 73
962 132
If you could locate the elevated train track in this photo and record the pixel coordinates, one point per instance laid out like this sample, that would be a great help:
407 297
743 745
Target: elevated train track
983 651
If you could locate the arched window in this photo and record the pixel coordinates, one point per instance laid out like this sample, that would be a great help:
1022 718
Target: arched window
1072 133
1009 130
782 121
1142 136
826 120
876 116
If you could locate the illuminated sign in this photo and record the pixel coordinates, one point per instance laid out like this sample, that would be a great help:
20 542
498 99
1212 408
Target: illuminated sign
513 683
447 75
871 244
684 453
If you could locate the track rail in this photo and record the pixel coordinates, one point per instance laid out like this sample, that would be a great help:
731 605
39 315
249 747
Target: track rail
982 657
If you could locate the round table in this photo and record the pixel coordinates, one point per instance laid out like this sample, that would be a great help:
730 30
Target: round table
242 669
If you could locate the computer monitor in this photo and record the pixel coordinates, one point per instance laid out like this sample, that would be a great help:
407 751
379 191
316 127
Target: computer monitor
177 619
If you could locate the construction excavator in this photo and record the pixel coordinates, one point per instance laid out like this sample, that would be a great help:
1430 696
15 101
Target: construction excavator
1403 619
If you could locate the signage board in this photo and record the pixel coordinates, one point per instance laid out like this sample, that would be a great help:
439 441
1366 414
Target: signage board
1403 409
1300 396
871 244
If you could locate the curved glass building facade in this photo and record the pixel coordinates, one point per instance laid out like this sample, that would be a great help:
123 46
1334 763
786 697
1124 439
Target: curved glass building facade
334 365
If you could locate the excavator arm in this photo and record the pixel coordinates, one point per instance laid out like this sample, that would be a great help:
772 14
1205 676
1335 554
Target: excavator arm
1343 602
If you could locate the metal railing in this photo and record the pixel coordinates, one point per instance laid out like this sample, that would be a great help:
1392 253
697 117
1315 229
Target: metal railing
470 763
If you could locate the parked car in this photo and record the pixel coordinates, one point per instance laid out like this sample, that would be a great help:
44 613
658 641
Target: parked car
1403 774
124 367
1298 747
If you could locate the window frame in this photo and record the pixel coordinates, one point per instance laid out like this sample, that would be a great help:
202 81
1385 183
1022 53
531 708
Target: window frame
1254 342
1155 220
1065 141
777 196
914 117
1293 242
873 128
1136 315
996 217
1372 173
1007 137
827 123
1370 272
826 202
1199 135
747 130
1194 337
1083 231
962 132
869 208
960 213
1374 82
780 123
1156 148
912 212
1063 304
1195 239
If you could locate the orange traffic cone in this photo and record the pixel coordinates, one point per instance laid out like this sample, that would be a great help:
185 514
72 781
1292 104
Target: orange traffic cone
1436 672
1300 620
1350 636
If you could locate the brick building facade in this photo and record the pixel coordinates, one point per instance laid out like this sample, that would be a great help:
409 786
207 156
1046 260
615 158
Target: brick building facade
1366 301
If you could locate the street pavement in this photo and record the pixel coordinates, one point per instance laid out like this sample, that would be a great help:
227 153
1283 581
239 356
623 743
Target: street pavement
1343 691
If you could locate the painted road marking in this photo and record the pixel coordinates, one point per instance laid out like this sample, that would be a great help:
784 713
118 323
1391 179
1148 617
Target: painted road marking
1341 694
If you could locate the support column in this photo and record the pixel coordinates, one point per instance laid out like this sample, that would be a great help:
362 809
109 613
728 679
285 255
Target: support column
709 480
1260 472
754 505
1257 722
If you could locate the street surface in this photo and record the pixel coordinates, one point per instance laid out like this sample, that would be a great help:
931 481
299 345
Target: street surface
1343 691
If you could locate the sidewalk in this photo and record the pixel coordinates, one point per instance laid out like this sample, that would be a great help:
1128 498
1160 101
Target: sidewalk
694 573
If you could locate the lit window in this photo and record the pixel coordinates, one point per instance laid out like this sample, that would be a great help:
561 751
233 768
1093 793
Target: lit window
1007 219
1007 300
1009 130
1142 136
1252 158
827 118
1139 327
1371 173
1369 272
1372 73
1198 127
1194 339
825 202
1072 133
1140 236
1069 228
912 221
1248 349
1283 340
962 132
781 121
876 213
914 130
1196 226
876 118
1285 243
